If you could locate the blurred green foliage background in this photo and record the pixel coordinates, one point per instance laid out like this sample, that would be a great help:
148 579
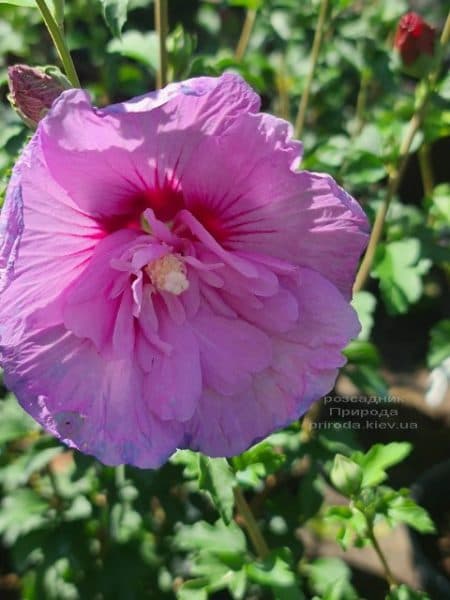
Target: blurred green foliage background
72 528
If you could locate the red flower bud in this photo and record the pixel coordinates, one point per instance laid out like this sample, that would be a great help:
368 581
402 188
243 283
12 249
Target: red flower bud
33 90
413 38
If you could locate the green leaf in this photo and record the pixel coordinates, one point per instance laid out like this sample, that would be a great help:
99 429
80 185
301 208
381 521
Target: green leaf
18 472
219 539
276 572
403 592
310 494
379 458
252 4
21 512
404 510
362 352
254 465
440 206
367 378
14 421
115 14
364 303
369 140
217 478
352 524
362 168
195 589
142 47
330 579
80 509
400 269
439 344
219 574
180 47
189 460
27 3
125 523
346 475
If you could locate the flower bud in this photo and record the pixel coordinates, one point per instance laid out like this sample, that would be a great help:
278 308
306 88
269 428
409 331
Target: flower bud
414 38
33 90
346 475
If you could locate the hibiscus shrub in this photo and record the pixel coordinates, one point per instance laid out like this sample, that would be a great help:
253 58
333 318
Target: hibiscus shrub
176 277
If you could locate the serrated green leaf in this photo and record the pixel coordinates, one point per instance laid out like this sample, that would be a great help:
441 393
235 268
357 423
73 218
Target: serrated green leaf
219 539
115 14
217 478
379 458
254 465
400 268
189 460
404 510
20 512
18 472
277 573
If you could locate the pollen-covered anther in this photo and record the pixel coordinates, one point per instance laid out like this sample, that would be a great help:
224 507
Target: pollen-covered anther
168 274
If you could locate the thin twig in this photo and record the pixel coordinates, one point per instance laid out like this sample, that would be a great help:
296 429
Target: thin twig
426 169
361 101
60 42
396 175
376 546
282 84
162 28
247 28
254 532
300 120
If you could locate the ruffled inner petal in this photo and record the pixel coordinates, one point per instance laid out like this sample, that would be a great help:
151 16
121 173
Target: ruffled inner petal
304 367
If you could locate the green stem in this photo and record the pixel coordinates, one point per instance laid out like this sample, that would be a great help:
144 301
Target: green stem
60 43
162 28
300 120
247 28
376 546
120 476
361 101
254 532
426 170
59 13
396 174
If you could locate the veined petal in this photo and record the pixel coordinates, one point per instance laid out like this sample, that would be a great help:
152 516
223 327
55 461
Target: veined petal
133 158
304 368
54 246
264 206
94 405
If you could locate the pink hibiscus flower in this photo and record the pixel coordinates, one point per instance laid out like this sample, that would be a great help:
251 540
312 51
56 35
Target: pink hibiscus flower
170 280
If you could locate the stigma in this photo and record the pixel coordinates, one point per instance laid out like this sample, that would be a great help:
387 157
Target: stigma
168 274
